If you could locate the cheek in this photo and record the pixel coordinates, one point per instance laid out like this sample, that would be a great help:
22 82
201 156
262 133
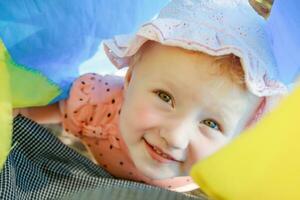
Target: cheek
140 115
147 115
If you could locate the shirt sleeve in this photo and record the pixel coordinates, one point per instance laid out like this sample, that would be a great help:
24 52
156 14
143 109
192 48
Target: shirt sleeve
85 105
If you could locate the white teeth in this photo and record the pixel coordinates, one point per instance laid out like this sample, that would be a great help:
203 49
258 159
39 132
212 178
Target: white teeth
160 152
157 150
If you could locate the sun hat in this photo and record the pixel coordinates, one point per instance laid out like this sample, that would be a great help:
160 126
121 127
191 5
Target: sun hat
215 27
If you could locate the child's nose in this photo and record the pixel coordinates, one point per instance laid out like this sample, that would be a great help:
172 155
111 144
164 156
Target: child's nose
176 137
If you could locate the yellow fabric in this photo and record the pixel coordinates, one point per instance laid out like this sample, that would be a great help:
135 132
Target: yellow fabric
262 164
5 108
19 87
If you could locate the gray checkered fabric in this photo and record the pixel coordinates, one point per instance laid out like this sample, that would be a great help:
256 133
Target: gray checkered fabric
41 167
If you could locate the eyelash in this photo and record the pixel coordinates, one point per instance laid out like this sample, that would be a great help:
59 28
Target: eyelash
161 92
207 122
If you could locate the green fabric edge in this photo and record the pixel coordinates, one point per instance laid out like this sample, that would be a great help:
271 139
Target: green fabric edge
29 87
20 87
5 108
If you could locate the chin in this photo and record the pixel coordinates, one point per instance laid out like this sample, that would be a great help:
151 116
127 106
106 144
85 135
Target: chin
156 173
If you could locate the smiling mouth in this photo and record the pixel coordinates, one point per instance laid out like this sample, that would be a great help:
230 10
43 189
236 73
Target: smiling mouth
157 154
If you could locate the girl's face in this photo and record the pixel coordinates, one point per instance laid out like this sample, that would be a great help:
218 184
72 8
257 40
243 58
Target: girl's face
178 109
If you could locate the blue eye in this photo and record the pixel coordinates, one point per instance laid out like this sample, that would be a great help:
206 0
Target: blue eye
165 97
211 123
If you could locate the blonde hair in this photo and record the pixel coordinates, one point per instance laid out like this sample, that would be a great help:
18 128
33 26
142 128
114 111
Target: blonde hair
227 64
231 65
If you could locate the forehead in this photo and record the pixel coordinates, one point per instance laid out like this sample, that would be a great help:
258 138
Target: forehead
168 59
179 67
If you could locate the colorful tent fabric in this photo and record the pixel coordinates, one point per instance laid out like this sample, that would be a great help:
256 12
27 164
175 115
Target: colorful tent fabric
52 38
42 44
283 26
5 107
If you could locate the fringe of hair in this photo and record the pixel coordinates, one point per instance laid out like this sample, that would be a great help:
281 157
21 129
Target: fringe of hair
227 64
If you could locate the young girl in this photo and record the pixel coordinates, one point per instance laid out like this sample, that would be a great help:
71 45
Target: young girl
199 74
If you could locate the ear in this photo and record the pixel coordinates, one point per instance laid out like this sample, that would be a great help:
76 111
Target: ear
128 77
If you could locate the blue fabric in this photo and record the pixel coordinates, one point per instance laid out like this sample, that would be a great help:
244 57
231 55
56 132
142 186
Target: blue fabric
283 26
55 36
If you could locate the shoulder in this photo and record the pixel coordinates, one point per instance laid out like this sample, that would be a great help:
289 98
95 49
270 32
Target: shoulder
93 100
107 81
95 87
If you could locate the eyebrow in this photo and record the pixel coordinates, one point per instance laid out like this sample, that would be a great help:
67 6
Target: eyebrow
171 84
175 85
